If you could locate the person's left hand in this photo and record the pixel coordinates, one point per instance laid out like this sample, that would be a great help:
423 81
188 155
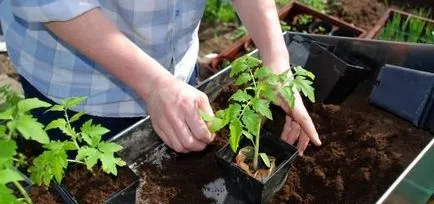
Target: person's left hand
298 124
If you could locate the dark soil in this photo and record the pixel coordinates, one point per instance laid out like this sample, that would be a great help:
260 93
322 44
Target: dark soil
366 13
41 195
89 188
364 150
181 178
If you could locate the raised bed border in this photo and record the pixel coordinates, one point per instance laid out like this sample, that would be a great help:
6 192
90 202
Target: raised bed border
374 32
285 14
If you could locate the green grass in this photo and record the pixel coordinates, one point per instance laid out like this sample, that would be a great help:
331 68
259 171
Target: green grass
409 29
320 5
219 11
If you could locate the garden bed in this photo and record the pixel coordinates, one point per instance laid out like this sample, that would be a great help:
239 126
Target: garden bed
364 150
300 18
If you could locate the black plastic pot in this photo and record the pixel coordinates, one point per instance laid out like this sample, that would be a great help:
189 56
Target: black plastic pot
343 33
248 189
407 93
336 76
315 26
26 183
126 195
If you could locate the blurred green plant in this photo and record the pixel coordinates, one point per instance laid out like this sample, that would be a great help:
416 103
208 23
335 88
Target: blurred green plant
304 19
320 5
409 29
219 11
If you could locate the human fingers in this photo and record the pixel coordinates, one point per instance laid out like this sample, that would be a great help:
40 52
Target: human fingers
185 136
302 117
286 128
167 134
196 124
295 133
303 141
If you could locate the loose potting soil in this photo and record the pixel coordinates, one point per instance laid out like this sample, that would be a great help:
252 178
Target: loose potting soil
90 188
41 195
364 150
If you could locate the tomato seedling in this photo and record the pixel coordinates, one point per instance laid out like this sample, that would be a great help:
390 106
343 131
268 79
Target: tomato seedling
250 105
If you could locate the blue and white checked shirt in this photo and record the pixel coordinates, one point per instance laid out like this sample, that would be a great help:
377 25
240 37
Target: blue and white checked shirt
164 29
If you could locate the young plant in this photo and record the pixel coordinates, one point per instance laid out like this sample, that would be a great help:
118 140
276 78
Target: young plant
86 143
16 121
304 19
242 31
249 106
415 29
320 5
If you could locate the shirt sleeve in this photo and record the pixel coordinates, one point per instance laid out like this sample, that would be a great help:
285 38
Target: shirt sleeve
51 10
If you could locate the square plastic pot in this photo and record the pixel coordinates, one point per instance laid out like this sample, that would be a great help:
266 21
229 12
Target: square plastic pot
126 195
248 189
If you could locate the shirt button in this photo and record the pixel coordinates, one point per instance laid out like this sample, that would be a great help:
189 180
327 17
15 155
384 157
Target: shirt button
177 12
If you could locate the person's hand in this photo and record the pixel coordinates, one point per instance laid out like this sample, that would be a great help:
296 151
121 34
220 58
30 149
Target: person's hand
174 110
299 126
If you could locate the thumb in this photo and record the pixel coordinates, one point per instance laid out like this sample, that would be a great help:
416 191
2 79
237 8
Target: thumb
202 103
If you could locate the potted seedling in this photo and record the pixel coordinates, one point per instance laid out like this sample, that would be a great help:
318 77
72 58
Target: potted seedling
16 122
255 171
95 163
303 21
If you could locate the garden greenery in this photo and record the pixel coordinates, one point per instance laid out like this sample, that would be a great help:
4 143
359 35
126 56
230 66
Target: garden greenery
17 121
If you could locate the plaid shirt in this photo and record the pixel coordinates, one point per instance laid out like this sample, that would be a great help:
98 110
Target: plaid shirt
164 29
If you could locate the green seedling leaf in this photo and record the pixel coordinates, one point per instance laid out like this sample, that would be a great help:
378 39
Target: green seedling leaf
252 121
249 136
243 78
30 128
58 145
109 163
92 134
236 130
263 72
241 96
3 130
302 72
7 148
72 102
252 62
273 80
216 125
265 159
76 117
233 112
89 156
56 108
7 195
49 164
30 104
267 91
305 86
7 114
237 67
288 96
262 106
218 114
9 175
59 123
207 117
108 147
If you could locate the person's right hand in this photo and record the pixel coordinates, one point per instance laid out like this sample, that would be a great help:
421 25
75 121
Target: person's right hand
174 110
